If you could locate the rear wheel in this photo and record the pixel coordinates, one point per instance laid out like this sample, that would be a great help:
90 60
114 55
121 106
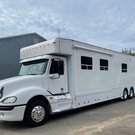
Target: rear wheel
131 94
125 95
36 113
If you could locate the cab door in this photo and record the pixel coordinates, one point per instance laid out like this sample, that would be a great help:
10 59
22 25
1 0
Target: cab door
58 76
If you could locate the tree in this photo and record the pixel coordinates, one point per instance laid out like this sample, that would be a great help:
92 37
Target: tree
129 51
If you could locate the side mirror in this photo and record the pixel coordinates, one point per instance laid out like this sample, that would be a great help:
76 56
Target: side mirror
54 76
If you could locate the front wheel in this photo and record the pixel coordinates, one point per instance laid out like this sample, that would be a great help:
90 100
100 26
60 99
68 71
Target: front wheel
36 113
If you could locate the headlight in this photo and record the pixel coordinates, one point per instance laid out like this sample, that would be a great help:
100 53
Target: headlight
1 92
9 100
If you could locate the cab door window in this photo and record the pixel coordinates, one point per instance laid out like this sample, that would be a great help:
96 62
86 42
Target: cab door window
57 66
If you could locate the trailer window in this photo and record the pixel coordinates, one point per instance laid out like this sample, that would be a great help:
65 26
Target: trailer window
86 63
103 64
124 67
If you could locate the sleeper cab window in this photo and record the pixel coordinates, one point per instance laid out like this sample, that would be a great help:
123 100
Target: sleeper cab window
86 63
103 64
124 67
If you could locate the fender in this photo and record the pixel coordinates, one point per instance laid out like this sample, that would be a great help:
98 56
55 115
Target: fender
25 94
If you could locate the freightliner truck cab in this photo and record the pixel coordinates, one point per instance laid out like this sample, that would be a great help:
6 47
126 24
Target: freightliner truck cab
40 89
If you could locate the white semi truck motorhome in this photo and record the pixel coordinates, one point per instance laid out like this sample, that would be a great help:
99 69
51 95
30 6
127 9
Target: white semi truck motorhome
63 74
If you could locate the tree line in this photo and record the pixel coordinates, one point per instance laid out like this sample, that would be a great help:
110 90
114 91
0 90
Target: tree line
129 51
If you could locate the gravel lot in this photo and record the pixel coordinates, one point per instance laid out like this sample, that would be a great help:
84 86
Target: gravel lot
110 118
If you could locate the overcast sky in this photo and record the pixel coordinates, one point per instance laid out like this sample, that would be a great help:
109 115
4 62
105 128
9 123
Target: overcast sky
106 23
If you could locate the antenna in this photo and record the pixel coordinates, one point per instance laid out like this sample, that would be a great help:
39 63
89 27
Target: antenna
59 32
59 37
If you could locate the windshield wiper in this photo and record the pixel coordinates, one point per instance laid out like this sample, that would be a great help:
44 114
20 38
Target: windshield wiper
32 74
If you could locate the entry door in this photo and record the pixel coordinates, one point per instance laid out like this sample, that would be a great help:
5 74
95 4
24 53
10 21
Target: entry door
58 76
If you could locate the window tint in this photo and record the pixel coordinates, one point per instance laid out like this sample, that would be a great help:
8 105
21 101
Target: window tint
124 67
61 67
103 64
86 63
57 66
54 67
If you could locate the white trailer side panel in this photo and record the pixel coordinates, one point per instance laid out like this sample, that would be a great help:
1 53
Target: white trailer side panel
91 81
93 86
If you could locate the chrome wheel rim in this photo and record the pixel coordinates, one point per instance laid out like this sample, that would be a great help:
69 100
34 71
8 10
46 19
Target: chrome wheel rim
131 93
38 113
125 95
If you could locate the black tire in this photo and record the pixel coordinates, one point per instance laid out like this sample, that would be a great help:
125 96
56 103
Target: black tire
131 93
36 113
125 95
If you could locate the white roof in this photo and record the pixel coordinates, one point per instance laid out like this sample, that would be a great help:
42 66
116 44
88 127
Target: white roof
59 46
55 46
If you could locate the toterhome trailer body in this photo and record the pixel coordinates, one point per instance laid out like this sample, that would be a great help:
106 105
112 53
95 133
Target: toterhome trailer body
64 74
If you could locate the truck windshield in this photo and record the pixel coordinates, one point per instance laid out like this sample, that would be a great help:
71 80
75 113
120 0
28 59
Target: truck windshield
36 67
